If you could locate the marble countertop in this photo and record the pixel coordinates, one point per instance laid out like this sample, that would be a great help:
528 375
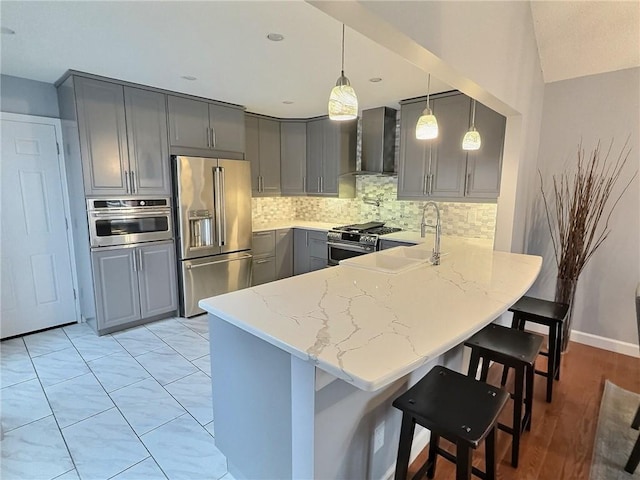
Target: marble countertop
371 328
322 226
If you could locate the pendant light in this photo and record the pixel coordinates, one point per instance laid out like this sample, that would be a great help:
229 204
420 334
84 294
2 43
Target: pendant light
427 126
472 140
343 102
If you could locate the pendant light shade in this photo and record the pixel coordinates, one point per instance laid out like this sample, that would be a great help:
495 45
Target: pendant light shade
343 102
472 140
427 126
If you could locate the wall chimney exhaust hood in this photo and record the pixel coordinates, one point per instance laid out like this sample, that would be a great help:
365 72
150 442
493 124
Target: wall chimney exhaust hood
378 141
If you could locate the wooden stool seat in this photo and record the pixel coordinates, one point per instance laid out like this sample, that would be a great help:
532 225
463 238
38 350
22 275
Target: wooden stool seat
513 349
457 408
550 314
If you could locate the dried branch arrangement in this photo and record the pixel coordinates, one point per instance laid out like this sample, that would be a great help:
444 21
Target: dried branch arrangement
579 218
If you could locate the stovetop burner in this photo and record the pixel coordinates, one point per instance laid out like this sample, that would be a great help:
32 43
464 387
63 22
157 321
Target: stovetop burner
373 228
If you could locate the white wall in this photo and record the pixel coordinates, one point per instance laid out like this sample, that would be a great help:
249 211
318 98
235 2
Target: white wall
28 97
597 107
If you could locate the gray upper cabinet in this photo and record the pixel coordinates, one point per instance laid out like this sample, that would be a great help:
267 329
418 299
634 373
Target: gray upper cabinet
293 158
331 153
157 279
103 136
439 168
449 161
147 135
484 167
263 151
202 125
123 138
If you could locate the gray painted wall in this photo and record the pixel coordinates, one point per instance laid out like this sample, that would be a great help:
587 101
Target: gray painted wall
29 97
604 107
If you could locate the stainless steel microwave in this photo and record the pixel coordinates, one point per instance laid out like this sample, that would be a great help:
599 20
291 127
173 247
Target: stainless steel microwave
114 221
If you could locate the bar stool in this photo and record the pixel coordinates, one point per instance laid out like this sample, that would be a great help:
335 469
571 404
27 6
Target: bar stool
550 314
515 349
457 408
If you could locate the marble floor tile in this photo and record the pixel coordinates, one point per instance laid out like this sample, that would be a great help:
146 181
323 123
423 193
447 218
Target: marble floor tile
34 451
145 470
103 445
13 346
77 399
22 403
146 405
166 365
203 363
190 345
117 370
185 450
167 328
139 340
59 366
209 427
78 330
92 347
228 476
194 394
15 365
46 342
199 324
70 475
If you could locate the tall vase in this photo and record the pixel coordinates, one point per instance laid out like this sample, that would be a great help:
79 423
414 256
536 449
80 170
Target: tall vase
565 293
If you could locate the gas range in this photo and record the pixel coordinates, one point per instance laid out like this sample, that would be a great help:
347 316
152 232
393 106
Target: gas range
352 240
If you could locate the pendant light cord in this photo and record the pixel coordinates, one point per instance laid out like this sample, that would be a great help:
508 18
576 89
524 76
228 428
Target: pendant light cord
428 88
473 114
342 70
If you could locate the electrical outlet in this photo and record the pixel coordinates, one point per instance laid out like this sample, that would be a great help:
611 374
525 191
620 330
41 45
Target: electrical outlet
378 437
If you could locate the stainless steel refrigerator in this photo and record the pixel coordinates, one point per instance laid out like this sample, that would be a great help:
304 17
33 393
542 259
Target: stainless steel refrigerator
213 210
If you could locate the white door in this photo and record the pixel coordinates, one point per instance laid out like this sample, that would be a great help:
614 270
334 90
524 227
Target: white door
36 283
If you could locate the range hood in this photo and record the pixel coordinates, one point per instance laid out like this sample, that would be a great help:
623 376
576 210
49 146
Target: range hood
378 141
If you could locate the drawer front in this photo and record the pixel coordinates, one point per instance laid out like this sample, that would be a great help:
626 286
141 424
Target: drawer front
264 270
264 243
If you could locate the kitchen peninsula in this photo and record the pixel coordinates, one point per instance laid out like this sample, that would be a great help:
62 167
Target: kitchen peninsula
304 369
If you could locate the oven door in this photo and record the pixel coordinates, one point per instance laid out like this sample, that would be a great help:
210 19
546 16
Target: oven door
341 251
121 228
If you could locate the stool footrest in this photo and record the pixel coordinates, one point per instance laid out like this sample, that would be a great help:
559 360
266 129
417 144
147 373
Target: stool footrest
452 458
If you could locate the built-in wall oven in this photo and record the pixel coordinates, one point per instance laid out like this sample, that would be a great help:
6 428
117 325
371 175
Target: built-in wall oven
115 221
353 240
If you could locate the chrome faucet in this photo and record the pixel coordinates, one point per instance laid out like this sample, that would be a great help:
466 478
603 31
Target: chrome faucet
435 257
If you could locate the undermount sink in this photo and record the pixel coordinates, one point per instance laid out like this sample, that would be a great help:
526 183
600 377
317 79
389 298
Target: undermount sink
383 262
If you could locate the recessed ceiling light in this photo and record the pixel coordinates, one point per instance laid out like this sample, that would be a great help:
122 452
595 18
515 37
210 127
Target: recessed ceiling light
375 79
287 102
275 37
7 31
189 77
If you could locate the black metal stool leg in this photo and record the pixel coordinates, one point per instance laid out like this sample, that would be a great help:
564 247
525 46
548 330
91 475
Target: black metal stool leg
433 455
463 462
558 350
515 321
517 416
490 459
473 364
404 447
634 458
528 398
484 373
636 421
552 360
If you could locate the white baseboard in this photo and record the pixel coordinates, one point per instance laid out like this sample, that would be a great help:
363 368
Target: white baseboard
420 441
604 343
597 341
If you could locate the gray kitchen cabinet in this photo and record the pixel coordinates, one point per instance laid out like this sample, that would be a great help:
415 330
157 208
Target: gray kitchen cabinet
123 138
206 126
147 136
103 136
264 271
284 253
484 166
263 151
264 243
386 244
293 158
331 153
157 279
309 250
439 168
134 283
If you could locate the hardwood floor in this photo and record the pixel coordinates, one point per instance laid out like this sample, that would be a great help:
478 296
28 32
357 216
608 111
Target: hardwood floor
560 443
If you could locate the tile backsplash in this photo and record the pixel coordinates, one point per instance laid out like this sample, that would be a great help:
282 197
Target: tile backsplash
477 220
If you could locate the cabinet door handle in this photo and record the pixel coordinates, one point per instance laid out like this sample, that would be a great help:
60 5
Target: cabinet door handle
260 261
134 187
208 138
140 257
424 184
307 238
319 185
135 260
431 184
304 184
468 185
213 137
126 181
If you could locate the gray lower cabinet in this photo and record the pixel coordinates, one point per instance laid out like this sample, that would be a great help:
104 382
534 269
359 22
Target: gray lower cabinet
293 158
309 250
202 125
439 168
123 139
284 253
264 270
386 244
134 283
272 255
263 151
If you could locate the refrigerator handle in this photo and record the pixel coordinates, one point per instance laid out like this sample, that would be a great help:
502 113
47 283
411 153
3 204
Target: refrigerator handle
218 181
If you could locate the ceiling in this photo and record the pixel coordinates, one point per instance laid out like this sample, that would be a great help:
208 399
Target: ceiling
223 44
578 38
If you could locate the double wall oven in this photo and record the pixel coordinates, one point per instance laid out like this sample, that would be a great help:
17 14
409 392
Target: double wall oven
353 240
